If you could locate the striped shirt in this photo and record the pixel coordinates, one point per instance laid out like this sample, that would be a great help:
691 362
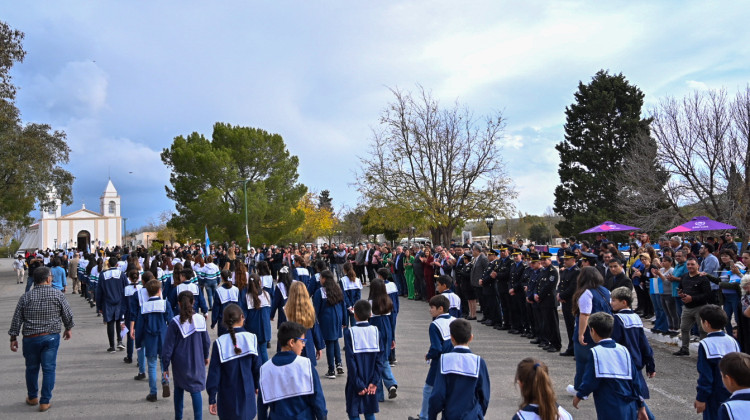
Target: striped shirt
41 310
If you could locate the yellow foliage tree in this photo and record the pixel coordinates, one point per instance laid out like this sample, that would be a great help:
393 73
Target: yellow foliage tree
318 221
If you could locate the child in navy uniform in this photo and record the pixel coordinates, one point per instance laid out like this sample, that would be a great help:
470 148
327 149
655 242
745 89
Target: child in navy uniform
392 289
381 310
150 327
352 287
257 307
186 347
280 295
329 308
443 286
234 370
289 386
462 387
539 401
299 309
363 362
711 391
130 312
185 279
109 296
735 373
224 295
610 374
440 343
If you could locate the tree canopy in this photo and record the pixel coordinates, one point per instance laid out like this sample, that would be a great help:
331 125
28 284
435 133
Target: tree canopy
601 126
208 177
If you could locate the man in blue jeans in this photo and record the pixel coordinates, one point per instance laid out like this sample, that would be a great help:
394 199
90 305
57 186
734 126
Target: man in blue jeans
42 312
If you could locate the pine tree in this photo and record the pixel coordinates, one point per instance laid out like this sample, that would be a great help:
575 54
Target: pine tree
600 127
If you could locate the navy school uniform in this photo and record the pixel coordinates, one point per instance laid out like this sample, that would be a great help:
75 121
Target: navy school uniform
364 362
151 325
186 347
330 317
314 284
223 296
317 343
290 389
352 293
737 406
257 320
392 290
130 309
280 295
628 331
110 293
383 324
531 412
710 388
455 303
611 375
266 282
462 388
234 377
301 274
199 304
440 343
167 281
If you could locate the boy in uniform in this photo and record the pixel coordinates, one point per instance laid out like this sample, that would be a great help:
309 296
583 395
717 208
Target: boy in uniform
711 391
150 327
443 286
735 373
362 348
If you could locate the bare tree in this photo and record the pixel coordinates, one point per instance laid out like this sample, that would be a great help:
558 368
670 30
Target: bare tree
441 162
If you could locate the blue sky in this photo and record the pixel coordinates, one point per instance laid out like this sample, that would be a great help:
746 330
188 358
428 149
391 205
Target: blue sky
124 78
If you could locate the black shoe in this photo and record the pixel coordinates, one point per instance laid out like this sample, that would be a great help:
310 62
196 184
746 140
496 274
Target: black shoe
487 322
542 345
120 346
340 369
471 318
127 359
111 350
392 392
165 390
682 352
567 353
140 377
482 321
535 341
552 349
151 397
505 327
514 332
331 374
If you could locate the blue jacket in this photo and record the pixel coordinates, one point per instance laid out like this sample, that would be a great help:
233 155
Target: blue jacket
362 369
710 387
600 303
330 317
737 406
438 346
257 320
110 293
150 329
305 407
187 356
628 331
460 395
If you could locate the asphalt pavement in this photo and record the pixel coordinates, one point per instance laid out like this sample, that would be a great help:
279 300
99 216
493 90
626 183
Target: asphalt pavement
93 384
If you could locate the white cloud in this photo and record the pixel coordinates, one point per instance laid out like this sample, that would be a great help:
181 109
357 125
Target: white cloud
78 89
694 84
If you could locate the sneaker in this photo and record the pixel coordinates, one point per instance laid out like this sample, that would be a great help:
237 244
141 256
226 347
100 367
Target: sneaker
165 390
151 397
393 362
120 346
340 369
652 319
111 350
140 377
127 360
681 352
331 374
570 389
392 392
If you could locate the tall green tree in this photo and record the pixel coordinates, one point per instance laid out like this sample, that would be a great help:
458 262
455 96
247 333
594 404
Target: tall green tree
207 184
601 127
31 155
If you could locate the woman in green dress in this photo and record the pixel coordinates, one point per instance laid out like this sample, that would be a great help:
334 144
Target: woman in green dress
387 261
409 272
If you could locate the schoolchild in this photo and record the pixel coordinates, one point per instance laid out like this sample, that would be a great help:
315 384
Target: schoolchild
136 300
443 286
363 362
150 326
289 386
320 266
381 309
234 370
280 295
352 287
711 391
331 314
462 385
256 303
300 273
225 295
610 374
299 309
92 272
735 373
440 343
131 312
392 290
185 279
186 346
211 274
266 278
109 297
539 400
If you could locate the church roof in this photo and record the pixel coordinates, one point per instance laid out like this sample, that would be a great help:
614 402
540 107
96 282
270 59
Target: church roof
110 191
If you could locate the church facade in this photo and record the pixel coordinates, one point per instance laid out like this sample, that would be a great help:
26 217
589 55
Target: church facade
82 229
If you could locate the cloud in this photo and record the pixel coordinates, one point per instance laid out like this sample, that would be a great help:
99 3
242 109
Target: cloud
694 84
78 89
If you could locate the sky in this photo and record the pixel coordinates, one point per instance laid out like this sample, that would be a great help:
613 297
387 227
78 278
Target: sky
122 79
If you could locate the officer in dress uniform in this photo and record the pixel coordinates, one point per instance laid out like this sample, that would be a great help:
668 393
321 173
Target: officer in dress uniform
565 291
503 284
546 297
532 286
532 258
516 293
490 304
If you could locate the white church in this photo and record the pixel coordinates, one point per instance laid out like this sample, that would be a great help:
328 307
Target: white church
82 229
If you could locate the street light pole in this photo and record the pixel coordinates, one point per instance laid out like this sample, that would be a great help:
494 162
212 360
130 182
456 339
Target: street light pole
489 220
247 232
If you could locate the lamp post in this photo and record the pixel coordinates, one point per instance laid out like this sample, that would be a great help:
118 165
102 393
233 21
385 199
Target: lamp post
411 233
338 233
489 220
247 232
146 241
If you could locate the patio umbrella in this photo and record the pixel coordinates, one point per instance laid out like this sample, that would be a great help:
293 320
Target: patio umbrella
700 223
609 227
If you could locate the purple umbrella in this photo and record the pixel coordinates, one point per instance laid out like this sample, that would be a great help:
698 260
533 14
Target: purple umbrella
700 223
609 227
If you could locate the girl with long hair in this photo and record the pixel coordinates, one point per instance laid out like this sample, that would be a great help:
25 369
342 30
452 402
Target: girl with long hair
225 295
130 312
186 345
266 279
280 296
537 394
234 369
299 309
240 276
328 302
167 269
590 297
382 306
256 304
352 287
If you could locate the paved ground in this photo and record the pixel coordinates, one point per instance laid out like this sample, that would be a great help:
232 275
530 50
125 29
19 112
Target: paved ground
92 384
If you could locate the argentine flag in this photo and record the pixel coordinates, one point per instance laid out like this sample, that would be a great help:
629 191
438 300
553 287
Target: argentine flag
208 242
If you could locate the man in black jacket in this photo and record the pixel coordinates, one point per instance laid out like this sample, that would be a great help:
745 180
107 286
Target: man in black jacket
695 293
546 297
503 290
616 276
565 291
517 296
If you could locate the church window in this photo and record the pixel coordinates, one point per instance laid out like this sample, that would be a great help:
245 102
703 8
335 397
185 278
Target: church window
112 207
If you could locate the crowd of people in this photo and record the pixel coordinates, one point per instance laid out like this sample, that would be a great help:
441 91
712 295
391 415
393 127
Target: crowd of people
160 305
